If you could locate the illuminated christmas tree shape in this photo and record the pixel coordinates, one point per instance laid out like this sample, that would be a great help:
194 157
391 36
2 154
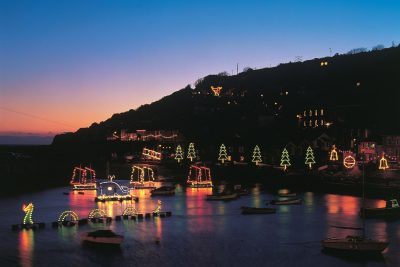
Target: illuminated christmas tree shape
191 152
158 209
333 155
285 160
216 90
28 209
309 157
97 213
256 155
179 153
68 215
383 164
130 211
222 153
349 162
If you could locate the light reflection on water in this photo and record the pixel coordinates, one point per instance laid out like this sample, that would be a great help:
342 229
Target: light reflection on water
26 247
199 232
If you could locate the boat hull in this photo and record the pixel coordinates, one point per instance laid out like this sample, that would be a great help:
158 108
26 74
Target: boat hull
354 247
105 241
222 197
380 212
296 201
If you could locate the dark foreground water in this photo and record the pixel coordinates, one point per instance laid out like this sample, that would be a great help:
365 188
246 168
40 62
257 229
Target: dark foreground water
199 233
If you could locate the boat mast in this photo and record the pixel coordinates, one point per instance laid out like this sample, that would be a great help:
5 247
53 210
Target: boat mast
363 196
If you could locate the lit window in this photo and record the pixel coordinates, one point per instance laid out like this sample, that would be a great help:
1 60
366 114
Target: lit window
316 112
304 123
322 122
310 123
316 123
310 113
305 113
322 112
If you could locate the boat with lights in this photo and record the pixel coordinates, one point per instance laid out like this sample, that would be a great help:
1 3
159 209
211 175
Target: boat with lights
199 177
142 177
83 179
112 191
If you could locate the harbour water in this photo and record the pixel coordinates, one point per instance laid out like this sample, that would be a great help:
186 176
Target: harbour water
199 232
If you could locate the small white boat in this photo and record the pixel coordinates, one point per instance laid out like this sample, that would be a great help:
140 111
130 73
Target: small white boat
102 237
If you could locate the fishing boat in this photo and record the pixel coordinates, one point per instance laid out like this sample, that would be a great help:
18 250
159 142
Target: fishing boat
392 210
290 201
355 245
222 196
254 210
102 237
163 191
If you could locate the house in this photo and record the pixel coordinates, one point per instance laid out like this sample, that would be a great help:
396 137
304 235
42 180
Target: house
391 146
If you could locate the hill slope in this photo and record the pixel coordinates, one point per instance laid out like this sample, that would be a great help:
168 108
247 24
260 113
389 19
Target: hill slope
355 91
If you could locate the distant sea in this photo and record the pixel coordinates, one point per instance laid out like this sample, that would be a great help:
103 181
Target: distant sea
25 140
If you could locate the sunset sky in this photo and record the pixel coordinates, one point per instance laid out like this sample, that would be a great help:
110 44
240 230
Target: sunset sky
67 64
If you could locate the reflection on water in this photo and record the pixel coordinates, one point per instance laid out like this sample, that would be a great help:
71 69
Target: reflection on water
196 230
79 203
256 197
198 209
68 233
26 247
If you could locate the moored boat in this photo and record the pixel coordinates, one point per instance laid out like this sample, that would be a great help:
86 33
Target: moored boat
287 195
290 201
223 196
354 245
102 237
392 210
254 210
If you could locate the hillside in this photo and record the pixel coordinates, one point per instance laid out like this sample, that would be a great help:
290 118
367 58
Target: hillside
266 106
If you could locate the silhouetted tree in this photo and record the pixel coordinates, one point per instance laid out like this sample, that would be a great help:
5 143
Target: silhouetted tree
378 47
357 50
247 69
